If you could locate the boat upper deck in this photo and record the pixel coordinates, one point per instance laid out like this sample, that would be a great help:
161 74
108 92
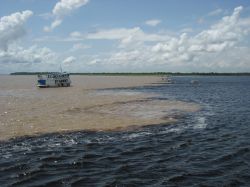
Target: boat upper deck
54 75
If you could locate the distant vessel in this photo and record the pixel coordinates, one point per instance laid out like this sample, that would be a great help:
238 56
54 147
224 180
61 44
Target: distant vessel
53 79
167 79
194 82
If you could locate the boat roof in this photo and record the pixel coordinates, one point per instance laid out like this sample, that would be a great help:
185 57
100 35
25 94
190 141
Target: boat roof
55 73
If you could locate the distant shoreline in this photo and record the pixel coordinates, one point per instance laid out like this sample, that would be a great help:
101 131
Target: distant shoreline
144 74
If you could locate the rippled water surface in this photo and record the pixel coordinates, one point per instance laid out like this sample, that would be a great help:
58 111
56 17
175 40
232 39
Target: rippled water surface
207 148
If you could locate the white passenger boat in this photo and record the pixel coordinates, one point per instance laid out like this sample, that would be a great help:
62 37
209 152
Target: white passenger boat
53 79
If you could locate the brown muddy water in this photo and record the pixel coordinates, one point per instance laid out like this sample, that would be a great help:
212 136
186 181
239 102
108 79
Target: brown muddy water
89 104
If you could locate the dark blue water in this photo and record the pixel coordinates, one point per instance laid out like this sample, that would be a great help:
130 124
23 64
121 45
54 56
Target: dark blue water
207 148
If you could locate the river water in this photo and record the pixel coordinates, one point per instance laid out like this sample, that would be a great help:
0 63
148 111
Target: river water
206 148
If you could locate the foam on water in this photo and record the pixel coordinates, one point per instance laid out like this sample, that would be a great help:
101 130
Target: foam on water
136 135
172 130
201 123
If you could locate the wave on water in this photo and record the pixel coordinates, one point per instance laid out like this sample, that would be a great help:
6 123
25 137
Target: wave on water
205 148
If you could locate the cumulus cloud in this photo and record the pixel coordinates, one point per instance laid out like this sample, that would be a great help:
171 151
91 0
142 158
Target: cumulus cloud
76 34
33 54
79 46
65 7
219 37
220 47
215 12
12 55
62 9
153 22
127 36
187 30
207 49
53 25
36 58
69 60
12 28
225 33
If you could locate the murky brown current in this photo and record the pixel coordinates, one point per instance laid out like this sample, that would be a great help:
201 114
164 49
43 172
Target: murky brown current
28 110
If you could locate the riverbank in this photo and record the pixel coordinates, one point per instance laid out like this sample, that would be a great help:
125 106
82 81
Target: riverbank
147 74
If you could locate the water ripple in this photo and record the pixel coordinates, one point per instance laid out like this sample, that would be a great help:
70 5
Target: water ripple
207 148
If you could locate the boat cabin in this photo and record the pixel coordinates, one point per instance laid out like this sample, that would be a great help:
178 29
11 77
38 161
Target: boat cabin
53 79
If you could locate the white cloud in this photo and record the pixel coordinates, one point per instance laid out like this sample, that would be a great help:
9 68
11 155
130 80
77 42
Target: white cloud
34 54
12 28
14 57
222 36
79 46
113 34
65 7
126 35
220 47
76 34
153 22
33 58
227 30
215 12
187 30
53 25
46 16
69 60
94 61
62 9
209 50
200 20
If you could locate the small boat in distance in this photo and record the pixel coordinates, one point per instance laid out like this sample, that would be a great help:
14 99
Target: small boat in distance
53 79
167 79
194 82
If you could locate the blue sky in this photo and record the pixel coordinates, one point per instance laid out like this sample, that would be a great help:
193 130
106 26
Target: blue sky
122 36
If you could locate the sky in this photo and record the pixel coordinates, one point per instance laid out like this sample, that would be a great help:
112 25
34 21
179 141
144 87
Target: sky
125 36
